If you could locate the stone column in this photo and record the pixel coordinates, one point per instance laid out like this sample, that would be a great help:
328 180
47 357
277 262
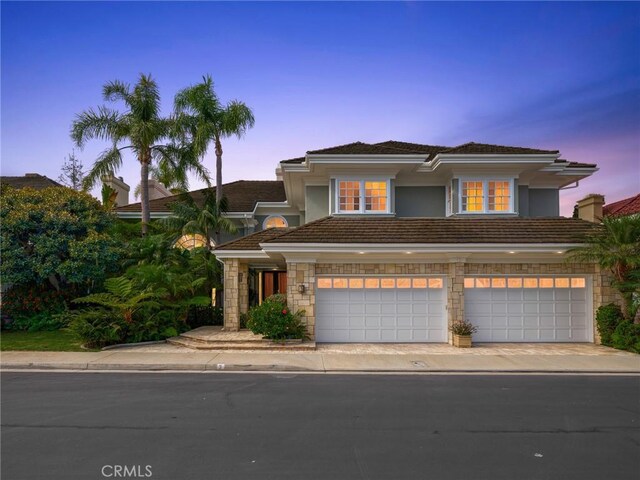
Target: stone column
243 287
603 294
231 295
303 274
455 294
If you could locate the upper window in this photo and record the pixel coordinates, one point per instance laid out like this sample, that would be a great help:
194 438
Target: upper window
363 196
275 221
486 196
190 241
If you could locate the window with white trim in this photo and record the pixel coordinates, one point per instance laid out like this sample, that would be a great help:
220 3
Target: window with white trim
363 196
486 196
275 221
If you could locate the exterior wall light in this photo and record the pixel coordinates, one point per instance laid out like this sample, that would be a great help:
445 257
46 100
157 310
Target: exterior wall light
301 288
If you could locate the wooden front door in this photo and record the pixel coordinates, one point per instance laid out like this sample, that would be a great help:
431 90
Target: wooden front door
273 282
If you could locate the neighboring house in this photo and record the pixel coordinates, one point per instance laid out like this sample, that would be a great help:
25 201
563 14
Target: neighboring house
628 206
392 242
30 180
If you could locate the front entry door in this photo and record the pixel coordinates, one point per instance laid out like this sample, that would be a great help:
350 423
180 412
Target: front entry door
273 282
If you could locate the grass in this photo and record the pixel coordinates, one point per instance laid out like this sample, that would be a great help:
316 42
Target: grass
55 341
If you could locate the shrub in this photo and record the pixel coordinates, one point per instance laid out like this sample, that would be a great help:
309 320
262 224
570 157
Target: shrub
274 320
98 327
463 327
607 319
626 336
39 322
27 300
198 316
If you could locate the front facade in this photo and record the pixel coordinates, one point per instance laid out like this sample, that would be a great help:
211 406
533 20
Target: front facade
392 242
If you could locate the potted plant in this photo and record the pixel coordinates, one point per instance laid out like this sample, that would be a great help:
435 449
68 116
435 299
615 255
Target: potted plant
462 331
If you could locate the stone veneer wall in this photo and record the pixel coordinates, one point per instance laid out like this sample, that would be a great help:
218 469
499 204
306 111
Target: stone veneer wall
303 274
236 292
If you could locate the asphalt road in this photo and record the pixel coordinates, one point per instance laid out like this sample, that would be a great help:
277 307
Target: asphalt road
269 426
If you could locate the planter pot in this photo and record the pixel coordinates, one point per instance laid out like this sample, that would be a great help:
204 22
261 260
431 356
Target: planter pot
462 341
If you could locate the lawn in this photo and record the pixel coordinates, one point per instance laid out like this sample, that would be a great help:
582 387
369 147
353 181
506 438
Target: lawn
56 341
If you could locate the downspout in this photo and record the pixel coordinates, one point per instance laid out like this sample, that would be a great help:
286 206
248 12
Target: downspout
574 186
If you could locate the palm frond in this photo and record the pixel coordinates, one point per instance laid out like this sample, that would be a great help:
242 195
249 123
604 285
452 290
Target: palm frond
107 163
237 119
117 90
104 124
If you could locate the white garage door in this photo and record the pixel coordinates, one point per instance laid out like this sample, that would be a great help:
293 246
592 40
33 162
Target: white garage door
528 309
380 309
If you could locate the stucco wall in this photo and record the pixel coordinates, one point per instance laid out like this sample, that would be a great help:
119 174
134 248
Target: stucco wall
420 201
544 202
317 202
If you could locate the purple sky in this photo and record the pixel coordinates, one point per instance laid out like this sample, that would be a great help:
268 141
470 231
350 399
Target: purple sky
550 75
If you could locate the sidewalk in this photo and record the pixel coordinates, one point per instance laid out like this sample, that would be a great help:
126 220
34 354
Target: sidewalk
329 362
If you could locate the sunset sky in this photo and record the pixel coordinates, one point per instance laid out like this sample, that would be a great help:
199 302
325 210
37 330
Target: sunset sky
550 75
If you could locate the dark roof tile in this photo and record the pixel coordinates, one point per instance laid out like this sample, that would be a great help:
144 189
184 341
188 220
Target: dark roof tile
628 206
241 195
253 241
30 180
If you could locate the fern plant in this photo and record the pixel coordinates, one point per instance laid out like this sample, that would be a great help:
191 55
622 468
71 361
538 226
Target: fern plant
122 296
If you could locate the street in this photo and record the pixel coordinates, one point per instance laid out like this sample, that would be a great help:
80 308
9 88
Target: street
287 426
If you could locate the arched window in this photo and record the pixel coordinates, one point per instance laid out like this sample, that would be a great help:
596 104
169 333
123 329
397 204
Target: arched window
275 221
190 241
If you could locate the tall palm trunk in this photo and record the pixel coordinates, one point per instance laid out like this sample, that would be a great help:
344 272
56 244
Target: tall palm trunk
144 192
218 180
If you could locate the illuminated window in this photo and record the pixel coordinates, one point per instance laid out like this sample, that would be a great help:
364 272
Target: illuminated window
469 282
483 283
371 283
275 221
356 283
404 282
472 197
435 283
363 196
546 283
419 283
530 283
514 282
562 283
498 283
482 196
324 283
577 283
388 282
190 241
349 196
499 198
339 283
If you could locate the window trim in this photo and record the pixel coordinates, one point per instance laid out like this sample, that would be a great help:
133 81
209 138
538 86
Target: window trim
363 194
264 223
485 194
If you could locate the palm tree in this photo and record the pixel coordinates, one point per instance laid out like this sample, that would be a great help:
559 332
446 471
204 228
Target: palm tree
210 121
141 129
616 246
208 220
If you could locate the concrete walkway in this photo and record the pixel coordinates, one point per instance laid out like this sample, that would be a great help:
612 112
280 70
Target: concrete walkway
584 358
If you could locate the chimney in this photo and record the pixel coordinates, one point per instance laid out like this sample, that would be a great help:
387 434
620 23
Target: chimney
157 190
590 208
121 188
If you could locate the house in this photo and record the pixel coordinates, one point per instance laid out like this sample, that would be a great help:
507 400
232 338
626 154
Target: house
628 206
29 180
393 241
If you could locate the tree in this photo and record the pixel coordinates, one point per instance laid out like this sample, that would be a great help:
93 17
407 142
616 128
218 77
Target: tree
54 236
140 129
616 247
72 173
210 121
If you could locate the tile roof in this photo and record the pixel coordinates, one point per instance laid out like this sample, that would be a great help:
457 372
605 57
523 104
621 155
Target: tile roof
253 241
439 230
30 180
391 147
241 195
628 206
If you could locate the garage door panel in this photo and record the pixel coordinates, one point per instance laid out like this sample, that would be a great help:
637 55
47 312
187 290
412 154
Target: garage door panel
411 311
544 309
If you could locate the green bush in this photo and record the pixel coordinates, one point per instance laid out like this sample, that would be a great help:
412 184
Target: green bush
274 320
98 327
30 299
42 321
626 336
607 319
